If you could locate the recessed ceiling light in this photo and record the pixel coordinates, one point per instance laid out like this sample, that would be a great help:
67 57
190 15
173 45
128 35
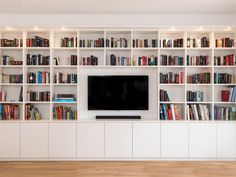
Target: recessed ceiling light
172 29
200 28
8 28
36 28
63 28
228 28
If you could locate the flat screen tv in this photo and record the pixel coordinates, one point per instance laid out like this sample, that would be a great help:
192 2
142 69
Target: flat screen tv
118 92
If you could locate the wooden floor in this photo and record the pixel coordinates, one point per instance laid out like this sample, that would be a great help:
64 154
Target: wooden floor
118 169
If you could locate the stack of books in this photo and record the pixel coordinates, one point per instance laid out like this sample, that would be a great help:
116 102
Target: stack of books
65 98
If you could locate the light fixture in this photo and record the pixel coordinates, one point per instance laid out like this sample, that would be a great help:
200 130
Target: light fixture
172 29
36 28
200 28
8 28
228 28
63 28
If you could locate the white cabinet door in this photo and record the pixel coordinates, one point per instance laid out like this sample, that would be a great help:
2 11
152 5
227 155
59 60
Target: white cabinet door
174 140
62 140
202 140
118 140
90 140
9 140
146 140
34 140
226 140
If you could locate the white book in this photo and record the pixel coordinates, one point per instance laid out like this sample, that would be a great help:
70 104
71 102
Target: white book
207 112
173 111
188 114
195 113
202 112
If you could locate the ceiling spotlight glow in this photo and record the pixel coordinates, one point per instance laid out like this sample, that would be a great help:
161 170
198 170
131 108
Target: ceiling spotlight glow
63 28
8 28
200 28
36 28
228 28
172 29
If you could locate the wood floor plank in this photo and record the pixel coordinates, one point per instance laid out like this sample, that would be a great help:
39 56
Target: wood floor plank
119 169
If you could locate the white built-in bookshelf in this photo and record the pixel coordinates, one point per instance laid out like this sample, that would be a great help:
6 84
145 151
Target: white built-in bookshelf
177 91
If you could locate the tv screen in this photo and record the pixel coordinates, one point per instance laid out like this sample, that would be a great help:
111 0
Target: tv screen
123 92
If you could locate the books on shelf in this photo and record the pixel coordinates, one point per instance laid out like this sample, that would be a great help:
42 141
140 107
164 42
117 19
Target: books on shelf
57 62
32 112
145 60
144 43
170 112
64 113
198 60
8 60
224 112
224 42
38 96
198 112
39 77
11 42
119 60
171 60
117 42
89 43
3 95
172 78
195 96
60 77
229 95
164 96
198 42
168 43
69 42
223 78
9 112
88 61
64 98
37 41
201 78
37 59
225 60
12 78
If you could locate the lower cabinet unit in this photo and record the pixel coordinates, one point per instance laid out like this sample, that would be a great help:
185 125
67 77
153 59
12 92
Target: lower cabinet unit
9 140
146 140
118 140
62 140
174 140
202 140
90 140
34 140
226 140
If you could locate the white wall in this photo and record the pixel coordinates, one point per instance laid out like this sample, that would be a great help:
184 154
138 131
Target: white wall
115 20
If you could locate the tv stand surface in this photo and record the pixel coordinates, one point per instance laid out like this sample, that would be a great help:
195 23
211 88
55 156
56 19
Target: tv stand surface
117 117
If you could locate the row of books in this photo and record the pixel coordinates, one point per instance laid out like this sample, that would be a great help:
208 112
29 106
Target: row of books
198 112
225 60
145 60
194 96
11 42
198 60
172 78
170 112
38 96
64 113
37 59
32 112
119 60
65 78
164 96
73 60
8 60
91 60
144 43
69 42
167 43
117 42
201 78
39 77
224 42
229 95
202 42
171 60
223 78
91 42
9 112
224 113
37 41
3 95
13 78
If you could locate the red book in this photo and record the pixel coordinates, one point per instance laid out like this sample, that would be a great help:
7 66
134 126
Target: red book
225 95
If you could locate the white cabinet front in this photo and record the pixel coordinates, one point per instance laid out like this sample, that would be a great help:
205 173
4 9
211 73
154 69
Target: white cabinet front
62 140
202 140
146 140
118 140
90 140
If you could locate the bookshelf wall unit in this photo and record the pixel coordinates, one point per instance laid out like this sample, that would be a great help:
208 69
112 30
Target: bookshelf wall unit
171 58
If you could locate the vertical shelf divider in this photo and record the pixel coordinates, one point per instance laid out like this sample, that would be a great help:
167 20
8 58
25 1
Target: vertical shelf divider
51 73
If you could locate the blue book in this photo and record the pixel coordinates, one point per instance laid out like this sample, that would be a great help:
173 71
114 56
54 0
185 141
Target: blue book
64 100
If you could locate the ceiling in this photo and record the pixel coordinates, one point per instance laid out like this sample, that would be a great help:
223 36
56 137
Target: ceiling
118 7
